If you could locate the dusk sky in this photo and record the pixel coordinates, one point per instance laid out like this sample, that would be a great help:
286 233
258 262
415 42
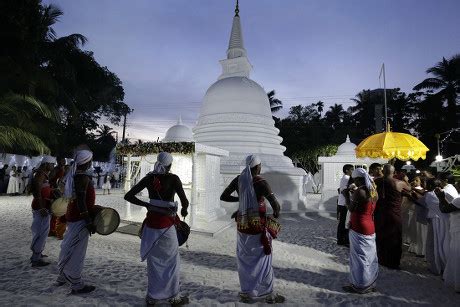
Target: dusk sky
166 52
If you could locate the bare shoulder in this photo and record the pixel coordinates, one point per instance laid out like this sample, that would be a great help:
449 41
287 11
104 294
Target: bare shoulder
81 181
360 195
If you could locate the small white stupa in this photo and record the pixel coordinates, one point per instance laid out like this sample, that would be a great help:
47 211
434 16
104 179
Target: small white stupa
178 133
332 171
236 116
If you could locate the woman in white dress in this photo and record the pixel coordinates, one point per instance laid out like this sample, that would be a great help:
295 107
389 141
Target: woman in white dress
106 186
438 240
13 184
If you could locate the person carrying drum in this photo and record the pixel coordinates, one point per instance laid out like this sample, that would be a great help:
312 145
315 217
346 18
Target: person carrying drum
254 248
80 189
57 227
41 202
159 243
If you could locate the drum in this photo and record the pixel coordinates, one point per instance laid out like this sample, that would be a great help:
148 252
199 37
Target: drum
59 206
183 231
105 219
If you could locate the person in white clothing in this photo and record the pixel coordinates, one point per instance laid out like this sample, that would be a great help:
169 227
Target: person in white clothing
452 271
364 266
438 243
41 215
13 184
342 202
159 242
25 179
79 188
106 186
254 235
421 226
447 180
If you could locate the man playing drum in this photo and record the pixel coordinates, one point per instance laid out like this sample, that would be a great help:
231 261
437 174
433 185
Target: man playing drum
57 228
254 250
40 210
80 188
159 243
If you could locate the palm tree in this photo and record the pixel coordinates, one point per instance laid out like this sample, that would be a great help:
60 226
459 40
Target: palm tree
19 123
447 81
320 106
335 116
104 131
275 103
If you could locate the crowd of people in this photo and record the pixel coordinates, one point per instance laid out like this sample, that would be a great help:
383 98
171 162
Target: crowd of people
159 233
14 180
381 211
378 212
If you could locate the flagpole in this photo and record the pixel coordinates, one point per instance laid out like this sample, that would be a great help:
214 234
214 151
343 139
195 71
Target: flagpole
385 97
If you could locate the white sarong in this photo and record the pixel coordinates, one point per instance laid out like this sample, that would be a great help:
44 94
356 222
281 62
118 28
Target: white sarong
161 249
411 225
441 237
364 265
405 204
452 271
40 229
72 255
419 247
441 242
254 267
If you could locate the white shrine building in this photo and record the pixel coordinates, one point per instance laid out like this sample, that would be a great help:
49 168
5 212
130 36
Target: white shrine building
235 121
235 116
331 171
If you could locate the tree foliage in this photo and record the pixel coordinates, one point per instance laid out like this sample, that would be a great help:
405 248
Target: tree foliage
57 72
307 132
275 103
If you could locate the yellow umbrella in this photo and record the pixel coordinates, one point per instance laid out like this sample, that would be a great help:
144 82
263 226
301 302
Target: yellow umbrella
389 145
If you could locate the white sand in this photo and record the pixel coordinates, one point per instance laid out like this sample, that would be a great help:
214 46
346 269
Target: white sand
310 268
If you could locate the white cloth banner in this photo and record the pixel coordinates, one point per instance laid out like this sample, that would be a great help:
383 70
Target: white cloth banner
161 249
254 267
72 255
364 265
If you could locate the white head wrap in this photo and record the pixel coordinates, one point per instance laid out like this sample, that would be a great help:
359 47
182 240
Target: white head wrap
246 194
81 157
164 159
361 172
48 159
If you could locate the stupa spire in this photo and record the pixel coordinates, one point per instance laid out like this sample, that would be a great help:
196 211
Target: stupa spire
235 44
236 63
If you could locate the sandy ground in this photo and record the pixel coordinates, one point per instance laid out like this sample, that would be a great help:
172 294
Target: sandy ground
310 268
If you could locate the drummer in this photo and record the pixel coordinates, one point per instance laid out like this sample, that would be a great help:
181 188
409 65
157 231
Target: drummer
159 243
79 187
41 191
57 227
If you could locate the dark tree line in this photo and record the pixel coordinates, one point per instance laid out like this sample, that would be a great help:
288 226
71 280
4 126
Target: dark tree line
433 108
53 93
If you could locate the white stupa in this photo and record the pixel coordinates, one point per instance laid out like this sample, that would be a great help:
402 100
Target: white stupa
331 171
178 133
236 116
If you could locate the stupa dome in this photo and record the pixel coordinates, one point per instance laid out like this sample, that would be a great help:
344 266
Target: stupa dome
179 133
236 95
347 148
